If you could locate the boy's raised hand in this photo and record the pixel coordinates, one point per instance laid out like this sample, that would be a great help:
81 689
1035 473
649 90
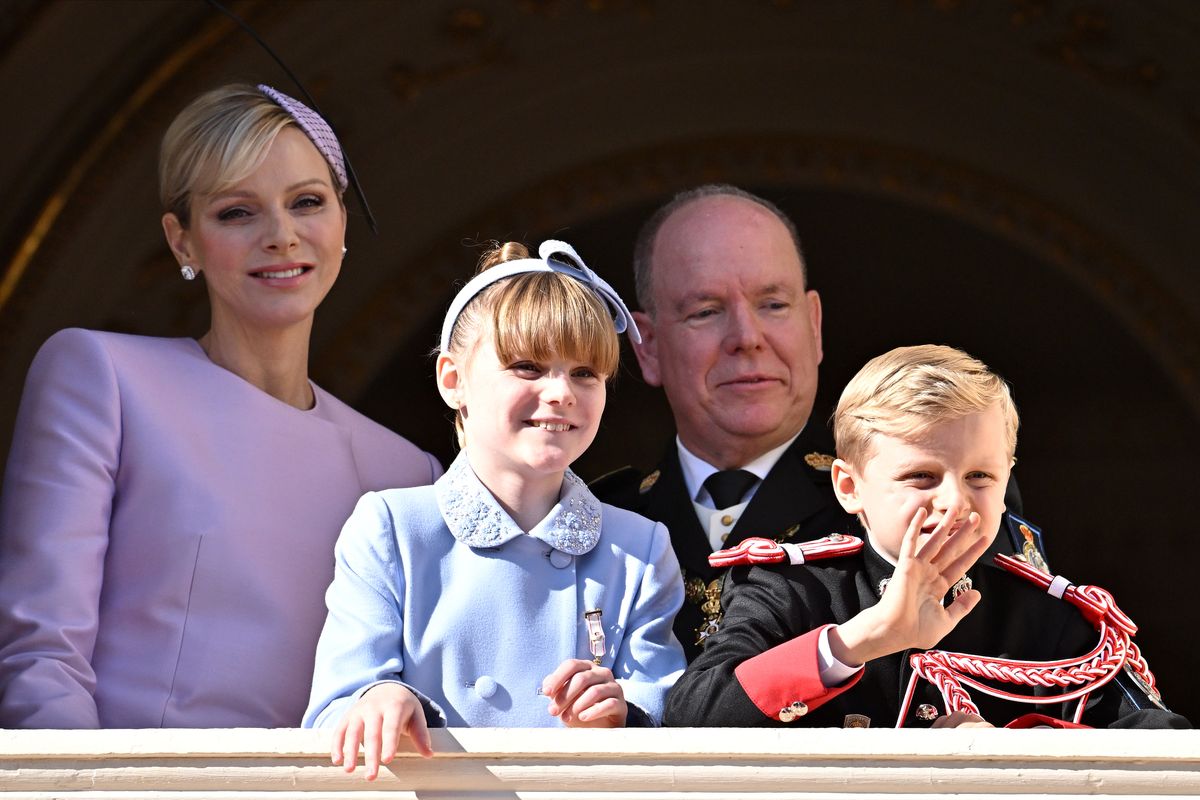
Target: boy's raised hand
380 717
585 695
925 572
910 613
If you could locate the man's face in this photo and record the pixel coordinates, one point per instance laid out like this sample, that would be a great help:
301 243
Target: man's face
735 339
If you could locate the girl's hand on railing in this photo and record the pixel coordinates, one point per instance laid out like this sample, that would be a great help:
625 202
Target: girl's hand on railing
380 717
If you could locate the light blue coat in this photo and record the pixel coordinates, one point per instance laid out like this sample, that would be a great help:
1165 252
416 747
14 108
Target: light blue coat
437 588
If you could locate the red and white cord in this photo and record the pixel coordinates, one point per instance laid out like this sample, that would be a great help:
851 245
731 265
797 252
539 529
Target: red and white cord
1079 677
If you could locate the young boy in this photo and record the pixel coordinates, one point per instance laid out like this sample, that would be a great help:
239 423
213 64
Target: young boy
925 441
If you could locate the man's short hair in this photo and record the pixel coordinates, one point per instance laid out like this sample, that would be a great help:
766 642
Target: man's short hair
643 249
906 391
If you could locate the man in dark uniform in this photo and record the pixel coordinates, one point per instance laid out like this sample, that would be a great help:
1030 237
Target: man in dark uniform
732 333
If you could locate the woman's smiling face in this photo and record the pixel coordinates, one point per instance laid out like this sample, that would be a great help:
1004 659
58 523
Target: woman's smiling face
270 245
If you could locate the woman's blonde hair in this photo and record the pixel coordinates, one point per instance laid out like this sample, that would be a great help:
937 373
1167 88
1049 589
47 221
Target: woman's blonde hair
536 315
219 138
905 391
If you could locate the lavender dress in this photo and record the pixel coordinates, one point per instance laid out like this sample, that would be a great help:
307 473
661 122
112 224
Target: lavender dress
166 537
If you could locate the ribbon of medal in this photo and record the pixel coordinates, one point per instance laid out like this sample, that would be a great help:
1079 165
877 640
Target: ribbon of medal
1077 677
595 634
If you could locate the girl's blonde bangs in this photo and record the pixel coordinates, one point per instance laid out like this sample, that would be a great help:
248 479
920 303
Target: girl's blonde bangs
542 314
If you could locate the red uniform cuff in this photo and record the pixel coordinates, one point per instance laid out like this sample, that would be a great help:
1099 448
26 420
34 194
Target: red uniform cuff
785 681
1042 721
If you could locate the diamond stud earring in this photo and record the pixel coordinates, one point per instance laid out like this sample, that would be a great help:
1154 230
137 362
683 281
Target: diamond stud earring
187 272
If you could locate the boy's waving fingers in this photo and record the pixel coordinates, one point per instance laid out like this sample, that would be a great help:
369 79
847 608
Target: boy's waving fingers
962 605
974 543
951 544
908 545
932 546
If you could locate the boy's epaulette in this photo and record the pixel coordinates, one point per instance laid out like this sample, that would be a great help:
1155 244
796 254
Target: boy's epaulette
1096 604
757 550
1026 539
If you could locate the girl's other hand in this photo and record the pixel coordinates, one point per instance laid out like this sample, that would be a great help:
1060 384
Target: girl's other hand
380 717
585 695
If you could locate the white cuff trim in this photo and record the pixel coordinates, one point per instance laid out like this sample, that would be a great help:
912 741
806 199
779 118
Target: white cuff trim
833 672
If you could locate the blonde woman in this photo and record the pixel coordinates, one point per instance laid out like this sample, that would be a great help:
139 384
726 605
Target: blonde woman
170 505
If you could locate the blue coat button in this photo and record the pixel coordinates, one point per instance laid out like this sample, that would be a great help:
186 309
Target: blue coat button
560 560
485 686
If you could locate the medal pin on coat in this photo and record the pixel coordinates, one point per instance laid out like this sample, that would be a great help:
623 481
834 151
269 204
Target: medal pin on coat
595 634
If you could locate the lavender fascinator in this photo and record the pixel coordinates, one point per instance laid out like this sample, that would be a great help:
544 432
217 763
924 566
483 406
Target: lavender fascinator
309 119
316 128
554 256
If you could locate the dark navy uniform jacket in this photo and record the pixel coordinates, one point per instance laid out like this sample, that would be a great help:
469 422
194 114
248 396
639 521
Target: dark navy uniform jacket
795 502
763 659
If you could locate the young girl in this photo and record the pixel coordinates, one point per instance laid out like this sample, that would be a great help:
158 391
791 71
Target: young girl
505 595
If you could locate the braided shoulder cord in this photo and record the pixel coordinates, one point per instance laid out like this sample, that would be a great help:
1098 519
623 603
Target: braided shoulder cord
1080 676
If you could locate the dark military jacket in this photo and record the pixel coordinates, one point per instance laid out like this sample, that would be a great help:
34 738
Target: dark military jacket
794 503
770 607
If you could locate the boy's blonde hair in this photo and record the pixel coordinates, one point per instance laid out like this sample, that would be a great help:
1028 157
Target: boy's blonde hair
537 315
906 391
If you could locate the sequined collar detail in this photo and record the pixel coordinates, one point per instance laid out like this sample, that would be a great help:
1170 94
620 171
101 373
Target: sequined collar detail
477 520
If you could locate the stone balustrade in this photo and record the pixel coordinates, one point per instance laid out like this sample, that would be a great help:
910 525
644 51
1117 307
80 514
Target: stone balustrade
551 763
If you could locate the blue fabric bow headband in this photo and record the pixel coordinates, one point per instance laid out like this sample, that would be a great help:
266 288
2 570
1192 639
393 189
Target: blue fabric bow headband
555 256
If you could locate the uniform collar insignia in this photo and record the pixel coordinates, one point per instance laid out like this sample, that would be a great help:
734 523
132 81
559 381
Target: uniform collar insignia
819 461
477 520
880 570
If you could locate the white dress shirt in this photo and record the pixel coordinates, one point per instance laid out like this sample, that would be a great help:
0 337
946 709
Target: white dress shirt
718 522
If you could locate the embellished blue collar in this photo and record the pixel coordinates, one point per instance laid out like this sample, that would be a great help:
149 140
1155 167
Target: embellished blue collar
477 520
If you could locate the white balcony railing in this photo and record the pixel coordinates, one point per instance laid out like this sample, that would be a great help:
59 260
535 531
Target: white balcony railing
545 763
